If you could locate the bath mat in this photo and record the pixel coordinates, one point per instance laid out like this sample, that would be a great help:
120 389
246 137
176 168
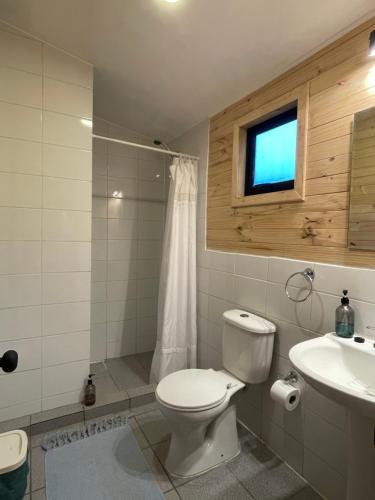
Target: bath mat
99 462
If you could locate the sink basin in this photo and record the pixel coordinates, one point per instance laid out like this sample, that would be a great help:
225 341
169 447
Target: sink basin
344 371
341 369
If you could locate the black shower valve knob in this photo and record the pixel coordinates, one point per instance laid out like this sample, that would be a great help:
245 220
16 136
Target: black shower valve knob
9 361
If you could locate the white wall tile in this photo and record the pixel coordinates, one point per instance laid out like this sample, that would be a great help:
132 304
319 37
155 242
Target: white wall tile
281 269
20 257
279 306
66 68
19 87
151 190
149 249
222 285
128 187
334 279
98 270
152 170
98 312
66 287
147 288
20 323
59 256
325 479
99 185
120 166
67 398
66 194
122 229
60 161
222 261
252 266
29 353
65 348
148 268
65 130
100 229
98 292
20 52
20 223
122 270
250 294
147 307
122 209
20 410
68 317
64 378
20 157
123 331
99 207
122 249
120 311
20 290
20 122
98 343
122 290
65 225
150 230
99 249
66 98
18 190
149 210
20 387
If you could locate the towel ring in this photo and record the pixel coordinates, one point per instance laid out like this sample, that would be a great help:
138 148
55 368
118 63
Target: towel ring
309 276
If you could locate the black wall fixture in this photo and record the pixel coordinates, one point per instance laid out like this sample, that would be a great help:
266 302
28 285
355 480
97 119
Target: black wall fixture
9 361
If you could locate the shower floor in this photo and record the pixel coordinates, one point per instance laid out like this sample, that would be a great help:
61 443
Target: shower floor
129 374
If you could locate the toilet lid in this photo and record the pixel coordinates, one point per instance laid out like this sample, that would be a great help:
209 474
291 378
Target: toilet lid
192 389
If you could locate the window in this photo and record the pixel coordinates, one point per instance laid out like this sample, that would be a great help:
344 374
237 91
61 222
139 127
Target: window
269 151
271 154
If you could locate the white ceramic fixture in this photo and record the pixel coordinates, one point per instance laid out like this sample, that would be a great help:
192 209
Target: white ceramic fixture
344 370
197 402
13 450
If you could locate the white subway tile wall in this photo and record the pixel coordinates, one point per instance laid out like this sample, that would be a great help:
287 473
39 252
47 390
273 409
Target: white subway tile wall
312 438
127 238
45 223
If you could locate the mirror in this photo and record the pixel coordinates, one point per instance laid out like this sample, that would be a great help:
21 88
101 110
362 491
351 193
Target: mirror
361 233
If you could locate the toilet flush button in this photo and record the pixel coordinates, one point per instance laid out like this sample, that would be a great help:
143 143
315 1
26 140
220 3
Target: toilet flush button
244 315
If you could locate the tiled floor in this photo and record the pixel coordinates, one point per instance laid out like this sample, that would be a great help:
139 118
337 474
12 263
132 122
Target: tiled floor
129 374
256 474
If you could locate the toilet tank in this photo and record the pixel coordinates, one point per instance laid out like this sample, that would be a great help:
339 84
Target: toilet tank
247 345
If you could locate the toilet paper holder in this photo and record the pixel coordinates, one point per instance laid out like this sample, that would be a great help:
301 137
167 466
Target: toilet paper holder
291 378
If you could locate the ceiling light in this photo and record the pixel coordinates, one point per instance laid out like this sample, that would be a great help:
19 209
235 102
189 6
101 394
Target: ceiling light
171 1
372 44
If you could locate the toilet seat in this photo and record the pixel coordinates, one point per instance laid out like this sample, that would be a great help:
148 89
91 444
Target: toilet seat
192 390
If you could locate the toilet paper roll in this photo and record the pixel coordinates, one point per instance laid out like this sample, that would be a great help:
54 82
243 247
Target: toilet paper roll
285 394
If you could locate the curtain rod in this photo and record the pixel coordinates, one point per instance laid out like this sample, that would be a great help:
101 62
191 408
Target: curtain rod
143 146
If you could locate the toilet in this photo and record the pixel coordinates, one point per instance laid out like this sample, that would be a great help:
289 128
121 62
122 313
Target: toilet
197 403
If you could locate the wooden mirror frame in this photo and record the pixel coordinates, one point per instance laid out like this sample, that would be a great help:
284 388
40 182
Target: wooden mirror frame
300 97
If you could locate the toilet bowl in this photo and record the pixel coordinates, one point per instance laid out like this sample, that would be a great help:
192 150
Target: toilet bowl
197 403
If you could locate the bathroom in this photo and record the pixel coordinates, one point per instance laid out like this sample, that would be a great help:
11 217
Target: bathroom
140 238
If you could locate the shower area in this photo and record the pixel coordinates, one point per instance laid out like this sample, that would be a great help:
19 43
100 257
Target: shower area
130 189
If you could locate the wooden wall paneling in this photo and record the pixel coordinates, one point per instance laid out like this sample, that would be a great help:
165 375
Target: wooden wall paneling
340 83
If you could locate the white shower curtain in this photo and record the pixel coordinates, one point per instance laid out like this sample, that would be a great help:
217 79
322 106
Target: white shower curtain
176 345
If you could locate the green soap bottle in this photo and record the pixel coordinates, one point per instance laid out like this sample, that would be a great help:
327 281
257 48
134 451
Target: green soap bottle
345 318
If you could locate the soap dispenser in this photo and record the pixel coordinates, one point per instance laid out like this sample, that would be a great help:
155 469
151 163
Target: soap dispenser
90 392
345 318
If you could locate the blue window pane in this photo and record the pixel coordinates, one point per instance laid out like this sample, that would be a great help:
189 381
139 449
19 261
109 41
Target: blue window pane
275 154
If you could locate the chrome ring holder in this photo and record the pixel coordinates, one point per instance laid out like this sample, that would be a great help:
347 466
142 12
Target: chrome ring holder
309 276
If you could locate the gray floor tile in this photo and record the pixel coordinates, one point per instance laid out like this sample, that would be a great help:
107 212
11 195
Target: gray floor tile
127 372
138 434
172 495
39 495
26 497
157 470
161 450
219 484
98 369
306 493
38 431
145 359
38 478
106 390
140 391
263 474
154 426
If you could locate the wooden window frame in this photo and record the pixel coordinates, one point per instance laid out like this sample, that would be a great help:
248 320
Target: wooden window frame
299 97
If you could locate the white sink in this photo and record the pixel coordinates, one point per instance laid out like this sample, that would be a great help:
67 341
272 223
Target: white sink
341 369
344 371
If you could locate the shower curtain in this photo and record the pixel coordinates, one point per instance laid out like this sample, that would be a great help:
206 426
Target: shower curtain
176 345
